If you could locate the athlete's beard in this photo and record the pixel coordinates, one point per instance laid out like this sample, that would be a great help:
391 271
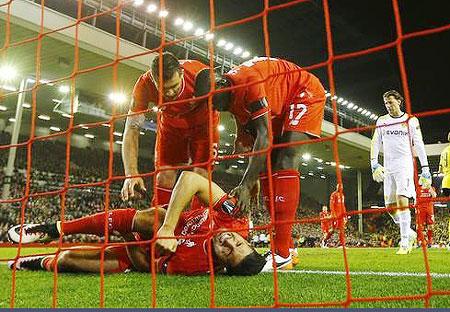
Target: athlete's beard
214 256
170 99
216 263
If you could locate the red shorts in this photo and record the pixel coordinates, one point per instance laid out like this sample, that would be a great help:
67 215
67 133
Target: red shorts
122 257
304 113
176 146
425 218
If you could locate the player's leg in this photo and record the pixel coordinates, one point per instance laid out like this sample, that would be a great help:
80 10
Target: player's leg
322 241
119 220
81 259
405 192
146 222
419 230
404 217
89 261
430 235
286 192
391 201
326 236
340 229
429 227
171 149
301 121
201 151
165 180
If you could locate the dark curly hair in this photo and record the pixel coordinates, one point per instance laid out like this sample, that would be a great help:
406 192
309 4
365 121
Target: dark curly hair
250 265
171 64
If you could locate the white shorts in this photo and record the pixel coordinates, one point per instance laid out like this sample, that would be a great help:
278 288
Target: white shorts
398 184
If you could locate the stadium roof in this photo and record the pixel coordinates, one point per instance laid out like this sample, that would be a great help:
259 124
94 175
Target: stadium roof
363 79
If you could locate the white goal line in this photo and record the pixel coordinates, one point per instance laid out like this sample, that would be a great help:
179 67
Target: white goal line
373 273
367 273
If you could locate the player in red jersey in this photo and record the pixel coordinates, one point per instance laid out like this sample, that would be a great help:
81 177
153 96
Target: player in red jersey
325 225
425 214
183 128
337 206
186 255
295 100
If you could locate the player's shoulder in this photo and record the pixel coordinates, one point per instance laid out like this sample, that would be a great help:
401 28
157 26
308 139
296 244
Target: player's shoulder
192 66
413 121
242 74
144 85
412 118
383 119
144 78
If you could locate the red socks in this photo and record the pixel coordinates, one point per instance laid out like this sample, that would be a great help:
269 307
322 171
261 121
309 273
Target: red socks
163 195
120 220
286 187
430 237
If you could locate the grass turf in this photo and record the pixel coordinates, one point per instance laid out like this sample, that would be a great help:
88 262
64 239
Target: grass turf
35 289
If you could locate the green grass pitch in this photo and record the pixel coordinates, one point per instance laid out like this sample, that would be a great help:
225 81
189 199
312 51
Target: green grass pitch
316 281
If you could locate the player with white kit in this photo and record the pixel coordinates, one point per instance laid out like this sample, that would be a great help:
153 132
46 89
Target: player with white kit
398 133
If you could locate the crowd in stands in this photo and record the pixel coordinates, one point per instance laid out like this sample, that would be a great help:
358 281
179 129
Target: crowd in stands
48 175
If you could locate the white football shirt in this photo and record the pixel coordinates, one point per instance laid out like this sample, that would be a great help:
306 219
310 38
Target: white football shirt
398 137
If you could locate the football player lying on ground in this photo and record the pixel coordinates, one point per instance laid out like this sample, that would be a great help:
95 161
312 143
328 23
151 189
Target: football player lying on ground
188 256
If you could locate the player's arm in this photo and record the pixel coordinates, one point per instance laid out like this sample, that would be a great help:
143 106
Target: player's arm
188 185
443 161
376 143
343 203
130 150
256 163
425 176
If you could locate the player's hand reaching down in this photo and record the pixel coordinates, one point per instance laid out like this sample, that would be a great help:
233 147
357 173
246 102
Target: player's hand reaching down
244 197
166 245
129 188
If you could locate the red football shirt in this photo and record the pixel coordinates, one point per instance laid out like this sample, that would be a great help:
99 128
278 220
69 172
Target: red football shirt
180 115
424 204
279 81
337 204
191 256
